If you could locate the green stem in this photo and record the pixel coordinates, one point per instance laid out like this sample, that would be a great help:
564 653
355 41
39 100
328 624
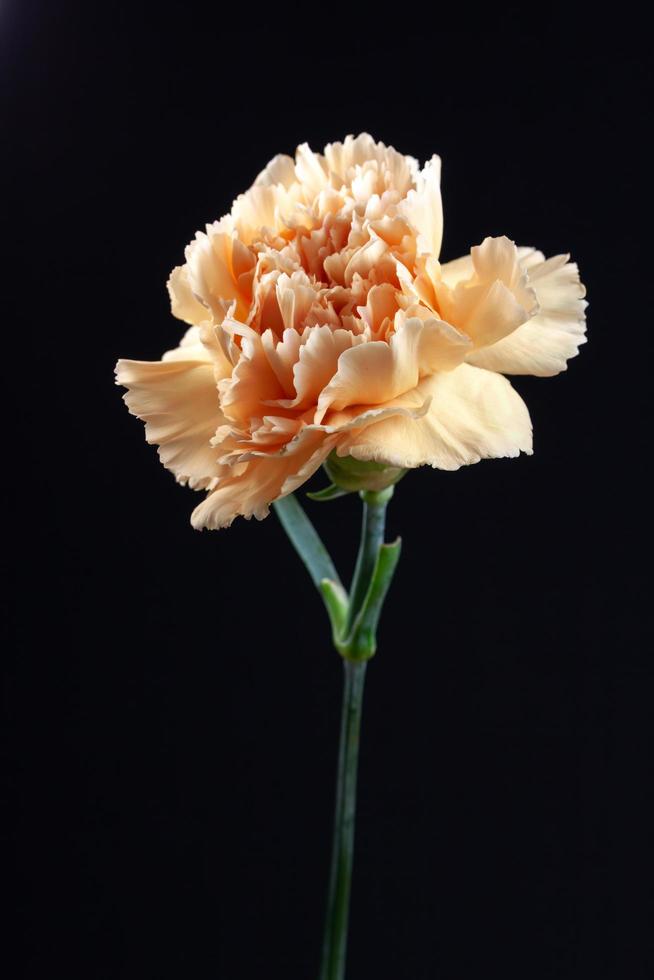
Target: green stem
338 901
372 537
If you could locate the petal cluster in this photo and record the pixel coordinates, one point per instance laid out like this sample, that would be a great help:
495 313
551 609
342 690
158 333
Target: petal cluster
321 320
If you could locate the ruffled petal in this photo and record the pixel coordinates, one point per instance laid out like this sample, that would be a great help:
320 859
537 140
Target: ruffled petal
493 300
543 345
190 348
251 486
295 297
376 372
178 401
472 415
394 169
253 383
456 271
283 356
183 303
423 208
280 170
219 271
311 170
258 475
317 362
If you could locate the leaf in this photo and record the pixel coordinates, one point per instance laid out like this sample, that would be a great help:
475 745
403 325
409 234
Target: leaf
305 540
362 641
336 601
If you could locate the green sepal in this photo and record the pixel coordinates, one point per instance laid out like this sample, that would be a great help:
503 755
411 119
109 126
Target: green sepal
356 474
332 492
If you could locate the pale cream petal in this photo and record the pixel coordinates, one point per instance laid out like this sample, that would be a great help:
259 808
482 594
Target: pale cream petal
202 344
441 347
423 208
397 170
178 401
543 345
528 256
497 258
265 207
456 271
486 312
254 210
353 151
403 170
190 348
374 373
280 170
311 170
493 300
183 303
211 273
473 415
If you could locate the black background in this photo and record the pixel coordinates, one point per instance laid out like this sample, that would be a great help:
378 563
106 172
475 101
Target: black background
171 699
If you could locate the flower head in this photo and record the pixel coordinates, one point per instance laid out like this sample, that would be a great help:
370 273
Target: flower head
321 321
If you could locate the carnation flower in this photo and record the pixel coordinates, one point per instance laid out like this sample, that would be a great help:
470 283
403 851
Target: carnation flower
322 322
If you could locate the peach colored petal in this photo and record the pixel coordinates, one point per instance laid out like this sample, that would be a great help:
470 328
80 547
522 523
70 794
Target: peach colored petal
367 258
283 356
472 415
493 300
178 401
264 208
396 169
311 170
485 312
380 309
190 348
376 372
543 345
318 362
497 258
261 480
183 303
201 344
265 473
453 272
423 208
295 297
253 383
280 170
211 271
